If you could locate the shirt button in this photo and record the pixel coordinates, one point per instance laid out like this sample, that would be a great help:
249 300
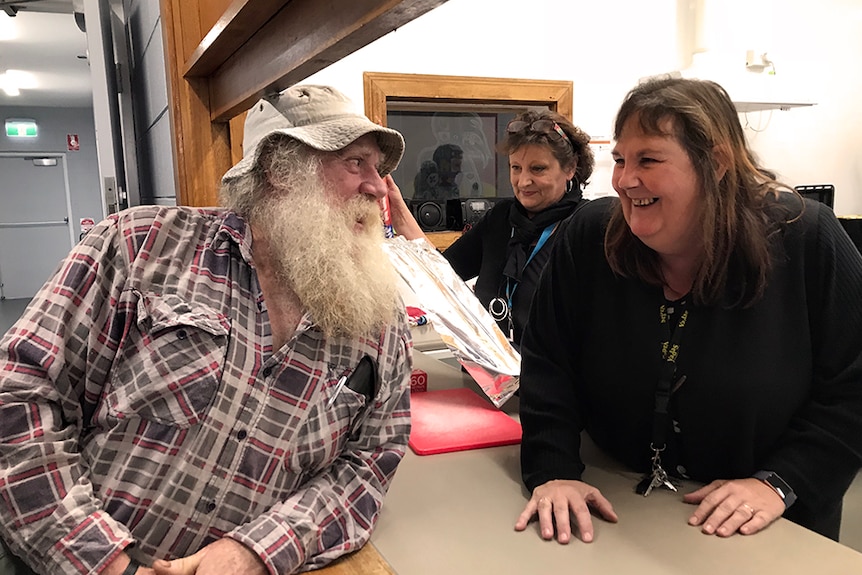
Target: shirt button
211 507
241 434
267 371
182 334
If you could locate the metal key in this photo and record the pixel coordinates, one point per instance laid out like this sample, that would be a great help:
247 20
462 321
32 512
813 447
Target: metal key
643 484
654 482
660 478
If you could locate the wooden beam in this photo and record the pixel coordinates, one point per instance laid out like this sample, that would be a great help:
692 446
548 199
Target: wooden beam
255 47
201 148
304 37
232 29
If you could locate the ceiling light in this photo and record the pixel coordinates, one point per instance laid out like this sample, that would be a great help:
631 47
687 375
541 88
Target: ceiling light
22 79
13 80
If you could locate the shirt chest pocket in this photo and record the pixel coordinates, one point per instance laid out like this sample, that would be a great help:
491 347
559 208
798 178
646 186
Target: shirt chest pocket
171 365
335 419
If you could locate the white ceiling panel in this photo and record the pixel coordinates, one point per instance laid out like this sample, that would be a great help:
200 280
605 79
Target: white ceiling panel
44 40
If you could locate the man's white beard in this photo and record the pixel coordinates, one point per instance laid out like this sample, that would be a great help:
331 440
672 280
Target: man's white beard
340 275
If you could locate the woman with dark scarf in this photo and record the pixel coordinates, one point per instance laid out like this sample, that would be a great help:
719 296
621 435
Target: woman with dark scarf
549 162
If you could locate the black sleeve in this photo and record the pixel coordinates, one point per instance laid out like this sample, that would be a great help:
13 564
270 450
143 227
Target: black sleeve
551 422
465 254
820 452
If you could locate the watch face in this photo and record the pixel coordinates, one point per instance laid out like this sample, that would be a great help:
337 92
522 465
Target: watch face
779 484
774 480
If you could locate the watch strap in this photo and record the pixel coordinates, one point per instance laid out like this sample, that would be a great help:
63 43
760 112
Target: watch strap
131 568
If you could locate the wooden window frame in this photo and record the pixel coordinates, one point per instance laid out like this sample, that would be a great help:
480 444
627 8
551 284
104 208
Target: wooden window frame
381 88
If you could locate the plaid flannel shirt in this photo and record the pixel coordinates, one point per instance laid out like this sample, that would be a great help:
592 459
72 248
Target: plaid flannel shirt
143 407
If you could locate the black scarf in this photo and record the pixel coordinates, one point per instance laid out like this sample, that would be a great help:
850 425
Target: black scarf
526 231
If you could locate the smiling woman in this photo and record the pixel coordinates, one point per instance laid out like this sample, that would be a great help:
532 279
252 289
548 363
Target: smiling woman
705 325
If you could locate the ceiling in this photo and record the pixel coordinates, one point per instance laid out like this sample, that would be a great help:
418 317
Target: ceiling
44 40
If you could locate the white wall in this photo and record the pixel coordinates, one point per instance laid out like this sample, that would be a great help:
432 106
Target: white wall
605 47
819 45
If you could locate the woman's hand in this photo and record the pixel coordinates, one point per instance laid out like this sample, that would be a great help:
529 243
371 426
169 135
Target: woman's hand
402 219
725 507
555 500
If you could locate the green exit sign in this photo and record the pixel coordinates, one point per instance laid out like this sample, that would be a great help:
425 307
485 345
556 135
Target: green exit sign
21 129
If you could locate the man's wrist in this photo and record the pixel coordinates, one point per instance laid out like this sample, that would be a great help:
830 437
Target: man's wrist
778 485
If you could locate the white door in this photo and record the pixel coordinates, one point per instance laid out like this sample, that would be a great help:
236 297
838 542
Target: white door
34 221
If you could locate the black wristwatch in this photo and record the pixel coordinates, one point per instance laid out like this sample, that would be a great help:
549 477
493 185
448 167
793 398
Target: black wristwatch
778 485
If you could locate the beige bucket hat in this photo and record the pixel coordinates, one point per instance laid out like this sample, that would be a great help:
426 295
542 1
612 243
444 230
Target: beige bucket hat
318 116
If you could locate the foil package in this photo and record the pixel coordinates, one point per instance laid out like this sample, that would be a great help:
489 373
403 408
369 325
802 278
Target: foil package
462 322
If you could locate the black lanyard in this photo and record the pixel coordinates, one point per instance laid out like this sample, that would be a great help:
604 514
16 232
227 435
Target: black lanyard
658 477
665 387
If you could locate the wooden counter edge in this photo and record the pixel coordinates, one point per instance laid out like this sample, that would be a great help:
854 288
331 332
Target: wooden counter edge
365 561
442 240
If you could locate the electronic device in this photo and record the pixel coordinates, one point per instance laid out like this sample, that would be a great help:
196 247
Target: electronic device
475 209
824 193
429 214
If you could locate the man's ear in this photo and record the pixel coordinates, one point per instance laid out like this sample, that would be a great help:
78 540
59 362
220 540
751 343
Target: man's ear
265 164
269 183
722 161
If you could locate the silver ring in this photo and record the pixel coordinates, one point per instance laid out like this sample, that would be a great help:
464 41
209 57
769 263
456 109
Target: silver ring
543 500
750 509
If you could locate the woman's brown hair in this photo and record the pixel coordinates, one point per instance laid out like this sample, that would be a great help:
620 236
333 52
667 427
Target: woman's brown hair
736 229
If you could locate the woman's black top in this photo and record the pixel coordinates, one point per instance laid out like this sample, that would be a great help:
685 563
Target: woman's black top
496 249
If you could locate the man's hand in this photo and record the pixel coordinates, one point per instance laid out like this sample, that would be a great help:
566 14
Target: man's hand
553 501
222 556
743 505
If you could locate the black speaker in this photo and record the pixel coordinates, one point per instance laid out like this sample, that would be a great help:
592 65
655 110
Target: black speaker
455 214
429 214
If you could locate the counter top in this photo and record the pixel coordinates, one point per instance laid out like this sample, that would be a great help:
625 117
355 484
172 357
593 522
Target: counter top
454 513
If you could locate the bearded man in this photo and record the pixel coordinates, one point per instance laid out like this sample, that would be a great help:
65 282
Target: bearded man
216 390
